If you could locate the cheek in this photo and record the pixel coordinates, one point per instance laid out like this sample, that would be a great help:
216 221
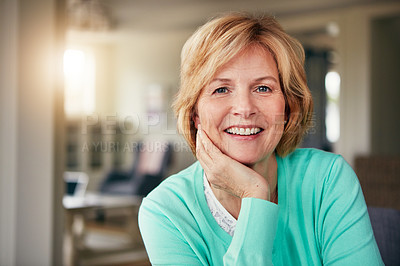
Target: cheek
209 122
279 120
274 112
208 115
279 111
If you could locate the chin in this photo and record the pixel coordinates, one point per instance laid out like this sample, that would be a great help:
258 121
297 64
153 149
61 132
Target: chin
246 159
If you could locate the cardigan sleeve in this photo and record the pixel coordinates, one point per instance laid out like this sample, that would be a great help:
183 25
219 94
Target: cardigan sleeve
251 244
254 235
345 231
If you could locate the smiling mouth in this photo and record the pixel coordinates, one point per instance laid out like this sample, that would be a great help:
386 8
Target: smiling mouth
243 131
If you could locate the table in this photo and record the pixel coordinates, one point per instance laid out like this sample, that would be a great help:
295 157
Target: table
76 208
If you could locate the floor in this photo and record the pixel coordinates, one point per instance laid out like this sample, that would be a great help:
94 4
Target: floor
109 246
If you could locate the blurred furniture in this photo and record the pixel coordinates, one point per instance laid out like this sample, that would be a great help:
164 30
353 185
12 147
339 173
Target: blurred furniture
88 245
149 168
380 180
93 148
75 183
102 226
386 225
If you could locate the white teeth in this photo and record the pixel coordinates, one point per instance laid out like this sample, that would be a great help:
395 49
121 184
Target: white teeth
243 131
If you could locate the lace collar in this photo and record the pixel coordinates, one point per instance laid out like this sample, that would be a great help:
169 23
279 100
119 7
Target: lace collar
224 219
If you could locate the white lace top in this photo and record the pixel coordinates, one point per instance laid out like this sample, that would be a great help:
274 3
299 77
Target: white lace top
225 220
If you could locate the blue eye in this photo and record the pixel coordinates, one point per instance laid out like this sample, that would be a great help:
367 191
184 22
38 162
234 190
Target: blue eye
263 89
221 90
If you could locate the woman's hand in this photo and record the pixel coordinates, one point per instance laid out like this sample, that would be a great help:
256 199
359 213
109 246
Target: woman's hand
228 174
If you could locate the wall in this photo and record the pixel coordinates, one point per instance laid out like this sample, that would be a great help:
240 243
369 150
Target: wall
8 130
353 45
385 85
27 157
128 66
144 59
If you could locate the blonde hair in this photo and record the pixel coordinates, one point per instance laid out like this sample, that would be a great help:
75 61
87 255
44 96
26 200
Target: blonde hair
217 42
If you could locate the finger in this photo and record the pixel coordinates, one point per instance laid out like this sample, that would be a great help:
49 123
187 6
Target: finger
215 161
201 152
209 146
199 143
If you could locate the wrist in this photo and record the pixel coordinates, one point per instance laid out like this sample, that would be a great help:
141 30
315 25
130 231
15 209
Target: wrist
258 191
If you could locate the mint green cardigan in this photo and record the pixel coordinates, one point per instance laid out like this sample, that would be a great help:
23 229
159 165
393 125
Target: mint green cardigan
321 219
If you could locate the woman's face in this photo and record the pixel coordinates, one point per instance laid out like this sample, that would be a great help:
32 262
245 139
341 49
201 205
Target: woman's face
242 108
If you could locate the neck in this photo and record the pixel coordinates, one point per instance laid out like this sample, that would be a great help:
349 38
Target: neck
268 168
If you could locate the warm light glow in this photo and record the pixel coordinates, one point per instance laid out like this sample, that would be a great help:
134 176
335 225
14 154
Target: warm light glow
74 63
332 85
79 70
332 122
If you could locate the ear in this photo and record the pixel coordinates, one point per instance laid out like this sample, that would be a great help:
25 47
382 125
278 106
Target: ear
287 111
196 120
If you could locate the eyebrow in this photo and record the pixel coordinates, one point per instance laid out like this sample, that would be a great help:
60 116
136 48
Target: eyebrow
256 80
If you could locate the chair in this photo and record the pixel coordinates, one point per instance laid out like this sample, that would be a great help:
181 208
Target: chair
149 168
386 226
112 234
379 177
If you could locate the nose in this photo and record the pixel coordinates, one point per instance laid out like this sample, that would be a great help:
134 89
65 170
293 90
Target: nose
243 105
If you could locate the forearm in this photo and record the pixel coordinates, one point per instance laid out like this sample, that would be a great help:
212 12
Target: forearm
255 232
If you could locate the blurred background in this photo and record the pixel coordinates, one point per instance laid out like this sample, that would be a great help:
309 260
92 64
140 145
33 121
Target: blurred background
86 127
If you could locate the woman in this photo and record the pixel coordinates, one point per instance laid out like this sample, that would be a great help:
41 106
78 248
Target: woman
253 198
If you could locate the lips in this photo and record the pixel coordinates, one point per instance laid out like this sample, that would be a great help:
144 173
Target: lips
243 131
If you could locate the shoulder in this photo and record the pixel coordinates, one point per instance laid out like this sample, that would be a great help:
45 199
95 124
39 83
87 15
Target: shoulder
311 155
308 158
317 165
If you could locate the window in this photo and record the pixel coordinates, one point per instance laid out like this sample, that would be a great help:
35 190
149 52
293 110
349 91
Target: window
79 71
